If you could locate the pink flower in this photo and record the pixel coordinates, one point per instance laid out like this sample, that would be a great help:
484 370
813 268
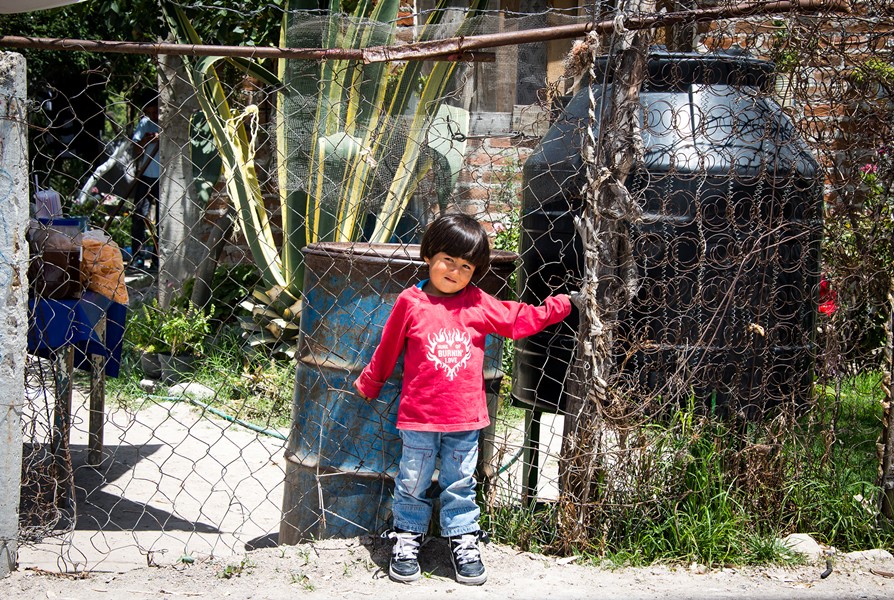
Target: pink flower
869 168
499 227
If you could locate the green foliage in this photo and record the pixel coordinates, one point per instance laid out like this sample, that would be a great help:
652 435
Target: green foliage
68 79
858 255
229 287
143 328
532 528
303 580
205 159
832 490
184 331
874 70
507 237
769 549
251 23
354 140
235 135
696 516
354 127
97 213
783 53
70 86
244 566
250 386
508 231
270 327
246 23
125 391
92 20
718 492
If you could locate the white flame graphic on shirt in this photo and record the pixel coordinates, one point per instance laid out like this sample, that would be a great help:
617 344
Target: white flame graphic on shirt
449 350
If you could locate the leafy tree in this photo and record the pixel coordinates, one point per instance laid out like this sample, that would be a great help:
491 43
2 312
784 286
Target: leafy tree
73 91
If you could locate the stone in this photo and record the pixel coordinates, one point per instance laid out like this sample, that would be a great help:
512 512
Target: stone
193 390
875 554
803 544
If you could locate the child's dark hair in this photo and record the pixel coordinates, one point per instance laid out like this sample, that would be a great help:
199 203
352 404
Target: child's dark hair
460 236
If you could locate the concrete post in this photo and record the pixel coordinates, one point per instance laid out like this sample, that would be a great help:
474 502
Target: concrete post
180 212
13 295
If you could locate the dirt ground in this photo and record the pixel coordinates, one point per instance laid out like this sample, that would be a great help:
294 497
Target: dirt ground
356 568
176 484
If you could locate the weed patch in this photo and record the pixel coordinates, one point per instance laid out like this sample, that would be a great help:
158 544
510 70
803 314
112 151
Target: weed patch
697 488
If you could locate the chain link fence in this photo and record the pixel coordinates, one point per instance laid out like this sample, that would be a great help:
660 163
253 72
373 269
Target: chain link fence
734 357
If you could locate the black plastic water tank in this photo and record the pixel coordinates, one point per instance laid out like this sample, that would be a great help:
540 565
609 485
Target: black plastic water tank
727 250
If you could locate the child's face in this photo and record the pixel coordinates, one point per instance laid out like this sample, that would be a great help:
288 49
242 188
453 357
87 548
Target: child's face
447 274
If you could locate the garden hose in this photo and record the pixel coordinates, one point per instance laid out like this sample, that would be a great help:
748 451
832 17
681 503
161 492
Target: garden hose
217 412
272 432
828 570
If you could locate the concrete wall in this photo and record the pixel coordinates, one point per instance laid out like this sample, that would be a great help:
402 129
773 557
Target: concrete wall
13 295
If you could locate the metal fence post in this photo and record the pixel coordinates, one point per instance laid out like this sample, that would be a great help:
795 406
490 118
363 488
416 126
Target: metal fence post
13 295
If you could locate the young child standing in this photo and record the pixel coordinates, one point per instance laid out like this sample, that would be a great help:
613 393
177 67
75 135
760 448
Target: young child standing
440 326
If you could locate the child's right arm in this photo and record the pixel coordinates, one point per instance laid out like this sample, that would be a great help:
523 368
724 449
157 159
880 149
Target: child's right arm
384 359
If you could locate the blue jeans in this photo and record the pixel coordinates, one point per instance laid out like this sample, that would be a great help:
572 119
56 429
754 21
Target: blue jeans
459 455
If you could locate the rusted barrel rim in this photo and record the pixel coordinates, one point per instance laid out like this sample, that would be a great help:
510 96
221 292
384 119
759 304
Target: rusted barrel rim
393 254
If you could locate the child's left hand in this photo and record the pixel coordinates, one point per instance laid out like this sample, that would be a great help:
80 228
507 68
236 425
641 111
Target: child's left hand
578 299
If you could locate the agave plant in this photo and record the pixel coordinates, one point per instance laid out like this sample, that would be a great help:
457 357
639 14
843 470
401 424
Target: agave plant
358 141
373 126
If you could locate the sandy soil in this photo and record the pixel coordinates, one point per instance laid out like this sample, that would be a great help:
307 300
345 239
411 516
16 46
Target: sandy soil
176 483
355 568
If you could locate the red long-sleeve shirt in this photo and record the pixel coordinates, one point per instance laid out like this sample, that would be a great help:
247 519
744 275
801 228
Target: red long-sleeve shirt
443 341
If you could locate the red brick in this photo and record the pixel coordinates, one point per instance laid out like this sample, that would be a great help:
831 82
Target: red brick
474 192
479 159
466 177
500 142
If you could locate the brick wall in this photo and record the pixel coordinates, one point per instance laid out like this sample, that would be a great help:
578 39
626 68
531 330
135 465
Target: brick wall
833 114
490 183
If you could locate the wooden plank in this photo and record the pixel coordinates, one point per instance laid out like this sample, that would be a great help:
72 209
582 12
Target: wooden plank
97 400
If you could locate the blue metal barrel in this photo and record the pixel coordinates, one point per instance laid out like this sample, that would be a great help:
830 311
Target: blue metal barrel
343 452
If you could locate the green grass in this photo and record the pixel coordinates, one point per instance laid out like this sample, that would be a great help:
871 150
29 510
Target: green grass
124 391
711 492
244 566
832 491
531 528
247 386
251 387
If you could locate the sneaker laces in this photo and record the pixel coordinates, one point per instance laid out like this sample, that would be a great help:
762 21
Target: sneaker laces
465 546
406 544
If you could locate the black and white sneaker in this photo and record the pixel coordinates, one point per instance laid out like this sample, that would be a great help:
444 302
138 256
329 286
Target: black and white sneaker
404 565
467 557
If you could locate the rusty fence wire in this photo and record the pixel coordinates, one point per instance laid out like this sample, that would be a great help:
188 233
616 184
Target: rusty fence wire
189 381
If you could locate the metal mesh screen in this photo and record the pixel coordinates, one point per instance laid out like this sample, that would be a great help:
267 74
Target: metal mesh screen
743 291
